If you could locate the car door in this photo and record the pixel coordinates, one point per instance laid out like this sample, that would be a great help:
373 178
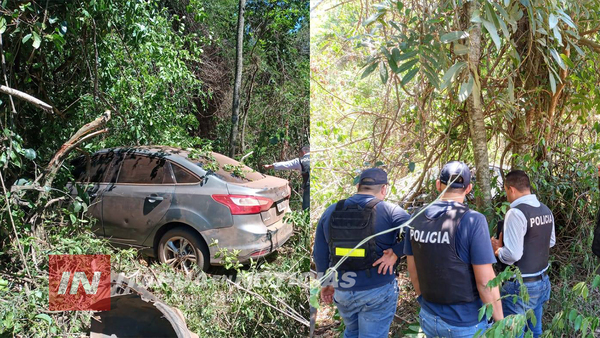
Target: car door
93 175
139 199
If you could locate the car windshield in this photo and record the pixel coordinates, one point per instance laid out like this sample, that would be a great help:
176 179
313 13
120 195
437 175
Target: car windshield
228 169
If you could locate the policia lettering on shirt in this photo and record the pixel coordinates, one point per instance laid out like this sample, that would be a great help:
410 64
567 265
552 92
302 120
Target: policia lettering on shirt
526 239
450 260
367 304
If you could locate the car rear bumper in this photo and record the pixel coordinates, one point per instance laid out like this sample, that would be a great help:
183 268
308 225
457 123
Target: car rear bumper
252 240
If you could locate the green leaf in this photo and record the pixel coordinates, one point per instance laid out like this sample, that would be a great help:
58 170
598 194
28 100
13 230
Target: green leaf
2 25
407 65
29 154
451 73
63 28
314 297
401 57
460 49
73 218
36 40
578 323
76 206
383 72
372 18
557 35
409 76
411 166
45 317
596 281
552 20
552 82
493 33
26 38
453 36
488 311
465 89
369 70
567 61
481 313
557 58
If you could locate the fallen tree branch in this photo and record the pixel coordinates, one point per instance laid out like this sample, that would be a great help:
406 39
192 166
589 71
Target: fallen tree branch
293 316
80 136
26 97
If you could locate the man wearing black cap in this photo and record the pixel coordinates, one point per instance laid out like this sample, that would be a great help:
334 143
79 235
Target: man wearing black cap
365 290
450 260
525 242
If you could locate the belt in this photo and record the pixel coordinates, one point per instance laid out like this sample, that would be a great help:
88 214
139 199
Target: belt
530 279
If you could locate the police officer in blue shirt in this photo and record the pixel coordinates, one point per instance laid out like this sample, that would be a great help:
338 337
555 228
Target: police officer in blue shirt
450 260
366 291
525 242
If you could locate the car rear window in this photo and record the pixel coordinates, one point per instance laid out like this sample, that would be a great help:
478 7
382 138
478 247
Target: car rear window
144 170
229 169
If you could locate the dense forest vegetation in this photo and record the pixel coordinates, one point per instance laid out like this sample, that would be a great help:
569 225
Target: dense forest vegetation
411 85
165 71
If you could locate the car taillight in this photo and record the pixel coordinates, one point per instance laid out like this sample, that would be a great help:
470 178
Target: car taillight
244 204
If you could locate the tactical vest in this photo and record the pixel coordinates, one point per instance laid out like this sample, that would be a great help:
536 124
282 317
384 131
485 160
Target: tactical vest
596 241
305 164
443 277
536 244
348 226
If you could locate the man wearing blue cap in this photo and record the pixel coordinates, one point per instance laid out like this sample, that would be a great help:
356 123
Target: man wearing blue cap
365 290
450 258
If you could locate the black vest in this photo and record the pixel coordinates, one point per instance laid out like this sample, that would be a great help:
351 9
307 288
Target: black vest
536 244
443 277
347 227
596 242
305 164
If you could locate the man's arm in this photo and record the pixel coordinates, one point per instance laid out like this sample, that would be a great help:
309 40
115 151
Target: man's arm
286 165
483 274
412 273
515 226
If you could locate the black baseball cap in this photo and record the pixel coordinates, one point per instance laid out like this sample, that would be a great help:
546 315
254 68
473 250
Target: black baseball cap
374 176
453 169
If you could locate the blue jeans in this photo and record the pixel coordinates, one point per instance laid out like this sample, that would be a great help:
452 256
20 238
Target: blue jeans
434 326
368 313
539 293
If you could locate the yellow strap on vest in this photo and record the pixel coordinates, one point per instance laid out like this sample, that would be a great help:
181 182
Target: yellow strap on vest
344 251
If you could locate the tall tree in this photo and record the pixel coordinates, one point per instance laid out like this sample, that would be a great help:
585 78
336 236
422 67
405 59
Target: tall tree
476 116
235 113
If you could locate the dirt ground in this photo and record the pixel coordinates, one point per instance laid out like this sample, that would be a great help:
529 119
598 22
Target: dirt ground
328 323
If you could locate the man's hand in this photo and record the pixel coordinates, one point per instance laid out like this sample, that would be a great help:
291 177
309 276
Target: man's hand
268 166
327 294
497 243
386 262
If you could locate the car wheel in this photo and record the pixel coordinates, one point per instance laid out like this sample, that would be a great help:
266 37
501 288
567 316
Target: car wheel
182 249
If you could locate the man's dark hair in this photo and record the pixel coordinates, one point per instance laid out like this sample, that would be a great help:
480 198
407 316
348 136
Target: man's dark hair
517 179
373 188
305 149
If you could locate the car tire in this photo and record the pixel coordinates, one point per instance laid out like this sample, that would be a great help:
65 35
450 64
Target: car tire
177 246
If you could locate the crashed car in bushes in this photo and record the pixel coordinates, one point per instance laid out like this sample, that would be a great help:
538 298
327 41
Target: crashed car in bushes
173 203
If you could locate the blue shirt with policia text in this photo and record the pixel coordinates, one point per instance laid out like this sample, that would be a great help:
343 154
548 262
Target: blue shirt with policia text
473 245
388 216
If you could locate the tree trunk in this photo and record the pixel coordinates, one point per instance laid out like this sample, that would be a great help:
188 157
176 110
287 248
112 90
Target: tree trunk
476 119
238 80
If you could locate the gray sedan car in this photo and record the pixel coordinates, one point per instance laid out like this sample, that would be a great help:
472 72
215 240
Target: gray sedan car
173 203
